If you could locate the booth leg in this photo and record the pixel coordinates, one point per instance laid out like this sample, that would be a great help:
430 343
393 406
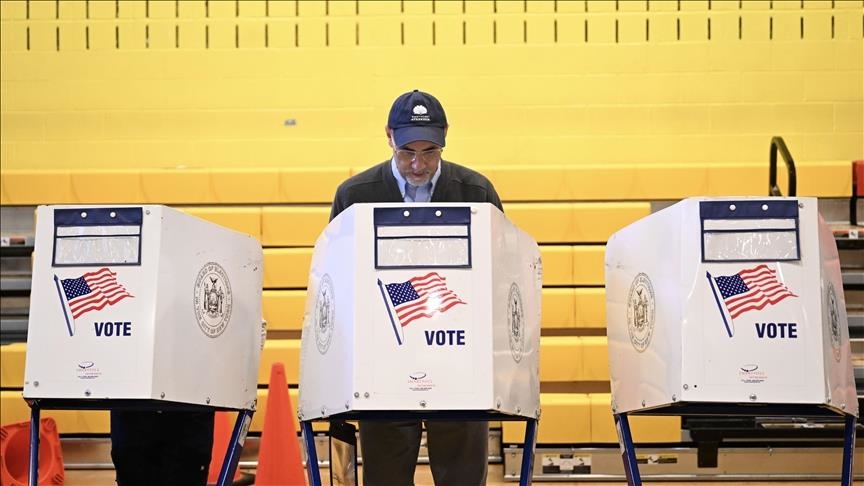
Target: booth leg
526 476
235 447
628 452
848 450
312 472
34 445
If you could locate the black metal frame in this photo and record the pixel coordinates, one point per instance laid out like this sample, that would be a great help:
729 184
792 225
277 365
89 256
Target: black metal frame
777 144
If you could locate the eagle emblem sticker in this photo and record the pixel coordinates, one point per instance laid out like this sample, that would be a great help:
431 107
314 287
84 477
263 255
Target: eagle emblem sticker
640 312
834 320
325 309
212 299
516 322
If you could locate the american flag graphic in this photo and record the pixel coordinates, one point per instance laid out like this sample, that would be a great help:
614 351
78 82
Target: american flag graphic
751 289
422 296
93 291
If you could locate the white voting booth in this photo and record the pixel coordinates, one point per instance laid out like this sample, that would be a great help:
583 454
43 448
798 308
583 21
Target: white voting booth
728 305
421 308
145 307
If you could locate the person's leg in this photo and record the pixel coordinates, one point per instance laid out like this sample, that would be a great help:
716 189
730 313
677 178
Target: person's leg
458 452
389 451
135 448
188 447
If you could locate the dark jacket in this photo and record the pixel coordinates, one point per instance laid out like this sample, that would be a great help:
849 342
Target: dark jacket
377 184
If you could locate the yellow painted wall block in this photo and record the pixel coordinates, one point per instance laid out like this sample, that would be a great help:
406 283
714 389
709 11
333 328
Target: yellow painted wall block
252 8
595 222
12 357
595 358
13 36
509 29
450 30
588 266
14 409
738 179
311 32
13 10
380 31
478 30
73 36
632 28
31 187
283 309
557 264
830 179
175 186
107 187
342 31
528 182
594 181
545 222
644 428
293 226
311 185
243 219
132 36
561 358
379 7
590 308
565 419
286 267
245 185
667 181
222 32
557 307
420 7
250 34
418 31
286 351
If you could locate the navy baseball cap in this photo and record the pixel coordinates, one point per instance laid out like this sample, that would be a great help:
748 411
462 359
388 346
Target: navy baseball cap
417 116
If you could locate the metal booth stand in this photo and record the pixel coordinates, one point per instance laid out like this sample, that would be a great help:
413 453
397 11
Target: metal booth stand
314 475
628 450
143 308
423 311
729 307
232 454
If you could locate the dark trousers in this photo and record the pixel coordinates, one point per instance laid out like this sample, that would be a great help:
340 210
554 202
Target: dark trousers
161 448
458 452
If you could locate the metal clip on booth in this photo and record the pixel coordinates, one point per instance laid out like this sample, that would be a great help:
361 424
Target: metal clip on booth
729 307
421 311
130 304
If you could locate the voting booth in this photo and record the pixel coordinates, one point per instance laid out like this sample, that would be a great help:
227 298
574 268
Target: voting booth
729 305
145 307
422 308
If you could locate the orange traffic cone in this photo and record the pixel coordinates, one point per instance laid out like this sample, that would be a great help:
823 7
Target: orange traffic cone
279 462
15 454
221 437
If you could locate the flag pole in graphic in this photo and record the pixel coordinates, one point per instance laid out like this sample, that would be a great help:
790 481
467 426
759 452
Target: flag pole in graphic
389 312
63 304
729 329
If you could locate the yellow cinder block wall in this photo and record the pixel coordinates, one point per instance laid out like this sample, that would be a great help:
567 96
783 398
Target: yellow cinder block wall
254 83
270 104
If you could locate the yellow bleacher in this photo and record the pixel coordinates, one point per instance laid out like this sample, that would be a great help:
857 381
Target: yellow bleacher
570 211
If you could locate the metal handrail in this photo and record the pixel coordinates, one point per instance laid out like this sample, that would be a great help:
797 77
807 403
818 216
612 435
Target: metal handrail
777 143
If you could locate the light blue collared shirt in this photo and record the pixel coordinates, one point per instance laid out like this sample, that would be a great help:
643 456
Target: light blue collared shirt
401 182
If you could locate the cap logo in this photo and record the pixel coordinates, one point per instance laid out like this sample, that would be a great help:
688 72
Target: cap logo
421 114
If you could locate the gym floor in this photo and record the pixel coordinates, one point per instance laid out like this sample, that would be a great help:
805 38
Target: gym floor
424 478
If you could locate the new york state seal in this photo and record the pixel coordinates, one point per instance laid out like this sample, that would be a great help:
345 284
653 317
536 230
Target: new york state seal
212 299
